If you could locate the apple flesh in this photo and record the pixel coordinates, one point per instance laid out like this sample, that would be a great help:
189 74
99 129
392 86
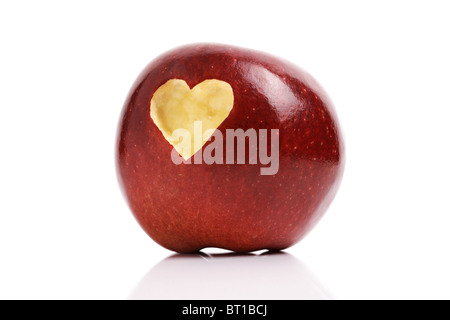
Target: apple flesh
188 207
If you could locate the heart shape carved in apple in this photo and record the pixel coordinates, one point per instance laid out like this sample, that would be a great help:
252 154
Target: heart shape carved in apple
174 107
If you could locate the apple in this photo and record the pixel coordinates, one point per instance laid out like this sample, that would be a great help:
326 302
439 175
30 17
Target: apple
221 146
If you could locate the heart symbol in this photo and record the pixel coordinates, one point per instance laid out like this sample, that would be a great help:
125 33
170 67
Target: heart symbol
178 110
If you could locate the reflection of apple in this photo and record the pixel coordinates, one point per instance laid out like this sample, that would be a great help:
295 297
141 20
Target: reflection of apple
232 205
231 276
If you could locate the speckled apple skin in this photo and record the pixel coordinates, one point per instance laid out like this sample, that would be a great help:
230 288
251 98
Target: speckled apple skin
184 207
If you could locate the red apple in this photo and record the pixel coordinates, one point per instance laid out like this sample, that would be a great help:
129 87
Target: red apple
243 204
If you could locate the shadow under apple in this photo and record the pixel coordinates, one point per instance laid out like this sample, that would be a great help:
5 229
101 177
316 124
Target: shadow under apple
201 276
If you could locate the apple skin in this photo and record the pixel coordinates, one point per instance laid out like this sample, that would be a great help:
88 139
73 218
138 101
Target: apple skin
184 207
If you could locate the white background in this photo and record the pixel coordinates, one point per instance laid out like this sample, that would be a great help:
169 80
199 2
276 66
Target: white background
65 70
